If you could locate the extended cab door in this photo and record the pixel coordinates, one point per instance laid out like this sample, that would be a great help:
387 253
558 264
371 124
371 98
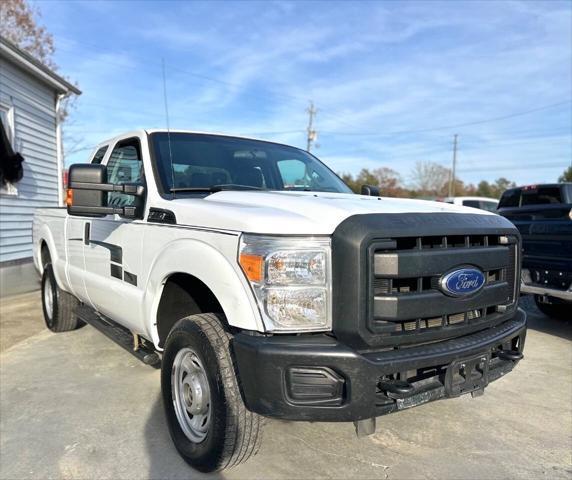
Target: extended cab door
113 248
76 229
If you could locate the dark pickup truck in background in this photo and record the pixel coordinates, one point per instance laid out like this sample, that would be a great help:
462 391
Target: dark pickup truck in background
543 215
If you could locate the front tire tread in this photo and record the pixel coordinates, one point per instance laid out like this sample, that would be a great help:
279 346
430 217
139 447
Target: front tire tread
243 429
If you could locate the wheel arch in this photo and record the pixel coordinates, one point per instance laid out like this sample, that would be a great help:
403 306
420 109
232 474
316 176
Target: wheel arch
189 277
45 245
183 295
45 255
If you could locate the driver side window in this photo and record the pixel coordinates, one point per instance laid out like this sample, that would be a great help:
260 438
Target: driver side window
125 166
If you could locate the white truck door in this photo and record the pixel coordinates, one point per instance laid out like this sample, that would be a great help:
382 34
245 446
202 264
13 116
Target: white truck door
113 250
76 232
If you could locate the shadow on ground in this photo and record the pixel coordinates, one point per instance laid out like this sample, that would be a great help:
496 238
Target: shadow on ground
541 323
164 461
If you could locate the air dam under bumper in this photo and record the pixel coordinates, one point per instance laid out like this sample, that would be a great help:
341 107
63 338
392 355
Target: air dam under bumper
316 378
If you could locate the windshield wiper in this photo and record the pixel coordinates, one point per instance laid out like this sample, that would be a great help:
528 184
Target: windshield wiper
215 188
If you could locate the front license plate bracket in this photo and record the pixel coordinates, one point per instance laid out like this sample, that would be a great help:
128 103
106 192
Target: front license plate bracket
467 375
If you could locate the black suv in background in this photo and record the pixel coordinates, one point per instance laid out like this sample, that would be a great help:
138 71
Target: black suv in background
543 215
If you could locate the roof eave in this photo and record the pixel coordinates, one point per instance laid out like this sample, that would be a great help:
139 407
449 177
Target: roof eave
27 62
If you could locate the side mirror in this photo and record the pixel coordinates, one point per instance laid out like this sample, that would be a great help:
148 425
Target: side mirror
87 192
370 190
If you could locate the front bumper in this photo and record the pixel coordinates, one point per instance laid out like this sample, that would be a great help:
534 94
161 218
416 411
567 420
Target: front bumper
316 378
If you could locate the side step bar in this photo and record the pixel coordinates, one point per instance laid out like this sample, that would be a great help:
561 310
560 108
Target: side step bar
119 335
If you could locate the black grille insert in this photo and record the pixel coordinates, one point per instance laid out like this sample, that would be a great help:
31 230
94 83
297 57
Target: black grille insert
404 283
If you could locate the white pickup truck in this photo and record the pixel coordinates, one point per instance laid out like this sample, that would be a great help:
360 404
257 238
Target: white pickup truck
265 288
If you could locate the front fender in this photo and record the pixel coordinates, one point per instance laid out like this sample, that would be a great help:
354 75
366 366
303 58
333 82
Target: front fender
217 270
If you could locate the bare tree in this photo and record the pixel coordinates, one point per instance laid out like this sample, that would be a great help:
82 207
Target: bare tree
389 182
430 178
19 24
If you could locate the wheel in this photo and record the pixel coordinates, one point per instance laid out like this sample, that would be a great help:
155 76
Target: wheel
58 306
561 311
208 421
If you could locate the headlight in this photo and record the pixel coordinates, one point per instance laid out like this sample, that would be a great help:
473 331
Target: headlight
290 278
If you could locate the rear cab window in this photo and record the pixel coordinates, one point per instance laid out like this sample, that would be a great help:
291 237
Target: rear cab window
541 196
472 203
488 206
98 156
481 204
537 195
510 198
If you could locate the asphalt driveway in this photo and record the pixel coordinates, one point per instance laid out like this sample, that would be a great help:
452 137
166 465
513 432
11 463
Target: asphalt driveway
75 405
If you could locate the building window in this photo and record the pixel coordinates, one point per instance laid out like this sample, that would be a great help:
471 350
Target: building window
7 121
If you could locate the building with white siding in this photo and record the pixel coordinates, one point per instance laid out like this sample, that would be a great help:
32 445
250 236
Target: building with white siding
30 97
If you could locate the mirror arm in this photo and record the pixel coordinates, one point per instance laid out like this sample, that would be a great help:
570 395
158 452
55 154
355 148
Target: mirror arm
136 190
128 212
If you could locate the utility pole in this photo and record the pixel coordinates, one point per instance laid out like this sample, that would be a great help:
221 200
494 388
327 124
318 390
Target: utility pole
311 132
452 177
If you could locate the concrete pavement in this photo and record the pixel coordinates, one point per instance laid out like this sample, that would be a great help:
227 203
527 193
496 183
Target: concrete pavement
75 405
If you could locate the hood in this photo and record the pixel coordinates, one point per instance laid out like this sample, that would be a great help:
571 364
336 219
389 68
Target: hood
293 213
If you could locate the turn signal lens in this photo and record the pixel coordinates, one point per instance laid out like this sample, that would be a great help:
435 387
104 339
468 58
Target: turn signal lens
69 197
252 266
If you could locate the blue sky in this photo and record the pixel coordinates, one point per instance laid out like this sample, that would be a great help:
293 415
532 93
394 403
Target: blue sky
392 81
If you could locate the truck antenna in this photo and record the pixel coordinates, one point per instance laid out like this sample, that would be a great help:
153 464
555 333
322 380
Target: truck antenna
168 127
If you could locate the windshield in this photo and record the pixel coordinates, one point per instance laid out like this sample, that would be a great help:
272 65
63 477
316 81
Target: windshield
204 162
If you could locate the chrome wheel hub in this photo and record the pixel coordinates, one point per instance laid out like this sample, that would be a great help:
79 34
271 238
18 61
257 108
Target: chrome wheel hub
191 395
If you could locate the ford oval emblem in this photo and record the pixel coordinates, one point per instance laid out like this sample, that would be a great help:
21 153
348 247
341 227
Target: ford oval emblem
462 282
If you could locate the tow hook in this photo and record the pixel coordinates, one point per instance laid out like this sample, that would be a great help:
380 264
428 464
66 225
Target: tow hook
396 388
365 427
513 355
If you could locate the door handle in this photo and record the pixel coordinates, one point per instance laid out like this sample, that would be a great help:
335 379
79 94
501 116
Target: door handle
86 230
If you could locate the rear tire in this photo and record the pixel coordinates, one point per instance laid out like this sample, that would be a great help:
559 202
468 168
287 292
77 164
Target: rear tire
560 311
58 306
208 421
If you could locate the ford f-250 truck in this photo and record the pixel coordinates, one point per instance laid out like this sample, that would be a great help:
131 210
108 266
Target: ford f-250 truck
267 289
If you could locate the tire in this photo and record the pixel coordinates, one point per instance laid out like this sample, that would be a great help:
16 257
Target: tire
197 350
58 306
560 311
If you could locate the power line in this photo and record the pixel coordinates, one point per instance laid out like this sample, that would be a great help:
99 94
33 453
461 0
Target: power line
449 127
197 75
496 168
299 99
403 151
